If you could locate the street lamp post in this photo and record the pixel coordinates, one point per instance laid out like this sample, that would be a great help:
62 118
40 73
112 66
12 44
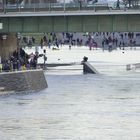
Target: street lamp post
80 4
4 5
64 5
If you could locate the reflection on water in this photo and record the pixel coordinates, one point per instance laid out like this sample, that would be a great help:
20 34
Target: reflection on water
75 107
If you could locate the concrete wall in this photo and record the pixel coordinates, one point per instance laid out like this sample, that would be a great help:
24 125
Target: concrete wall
20 81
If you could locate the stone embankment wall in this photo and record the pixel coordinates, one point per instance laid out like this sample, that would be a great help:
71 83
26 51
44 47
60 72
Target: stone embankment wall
8 45
22 81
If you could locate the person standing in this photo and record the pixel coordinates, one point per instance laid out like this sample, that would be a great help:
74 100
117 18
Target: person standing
45 58
0 65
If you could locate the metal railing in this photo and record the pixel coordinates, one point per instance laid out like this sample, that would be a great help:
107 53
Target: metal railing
36 7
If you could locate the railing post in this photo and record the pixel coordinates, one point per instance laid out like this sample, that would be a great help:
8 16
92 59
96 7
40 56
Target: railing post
49 6
94 8
34 7
19 8
4 6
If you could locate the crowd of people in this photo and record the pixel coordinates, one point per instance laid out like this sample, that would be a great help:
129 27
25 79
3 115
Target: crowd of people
104 40
19 60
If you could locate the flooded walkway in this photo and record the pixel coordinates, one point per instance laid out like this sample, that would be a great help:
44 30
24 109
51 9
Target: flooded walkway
77 106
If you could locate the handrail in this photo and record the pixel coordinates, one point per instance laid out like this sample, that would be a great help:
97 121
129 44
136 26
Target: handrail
59 6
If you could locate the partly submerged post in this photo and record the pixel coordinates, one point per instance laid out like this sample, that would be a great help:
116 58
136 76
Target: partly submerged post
128 67
132 66
88 68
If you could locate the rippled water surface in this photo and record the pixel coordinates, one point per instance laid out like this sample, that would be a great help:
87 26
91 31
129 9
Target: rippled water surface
75 107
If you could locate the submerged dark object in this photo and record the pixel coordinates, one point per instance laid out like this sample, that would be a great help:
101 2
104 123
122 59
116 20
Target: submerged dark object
87 67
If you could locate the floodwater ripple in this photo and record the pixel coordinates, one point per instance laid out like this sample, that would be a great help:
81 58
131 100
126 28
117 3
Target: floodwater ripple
75 107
